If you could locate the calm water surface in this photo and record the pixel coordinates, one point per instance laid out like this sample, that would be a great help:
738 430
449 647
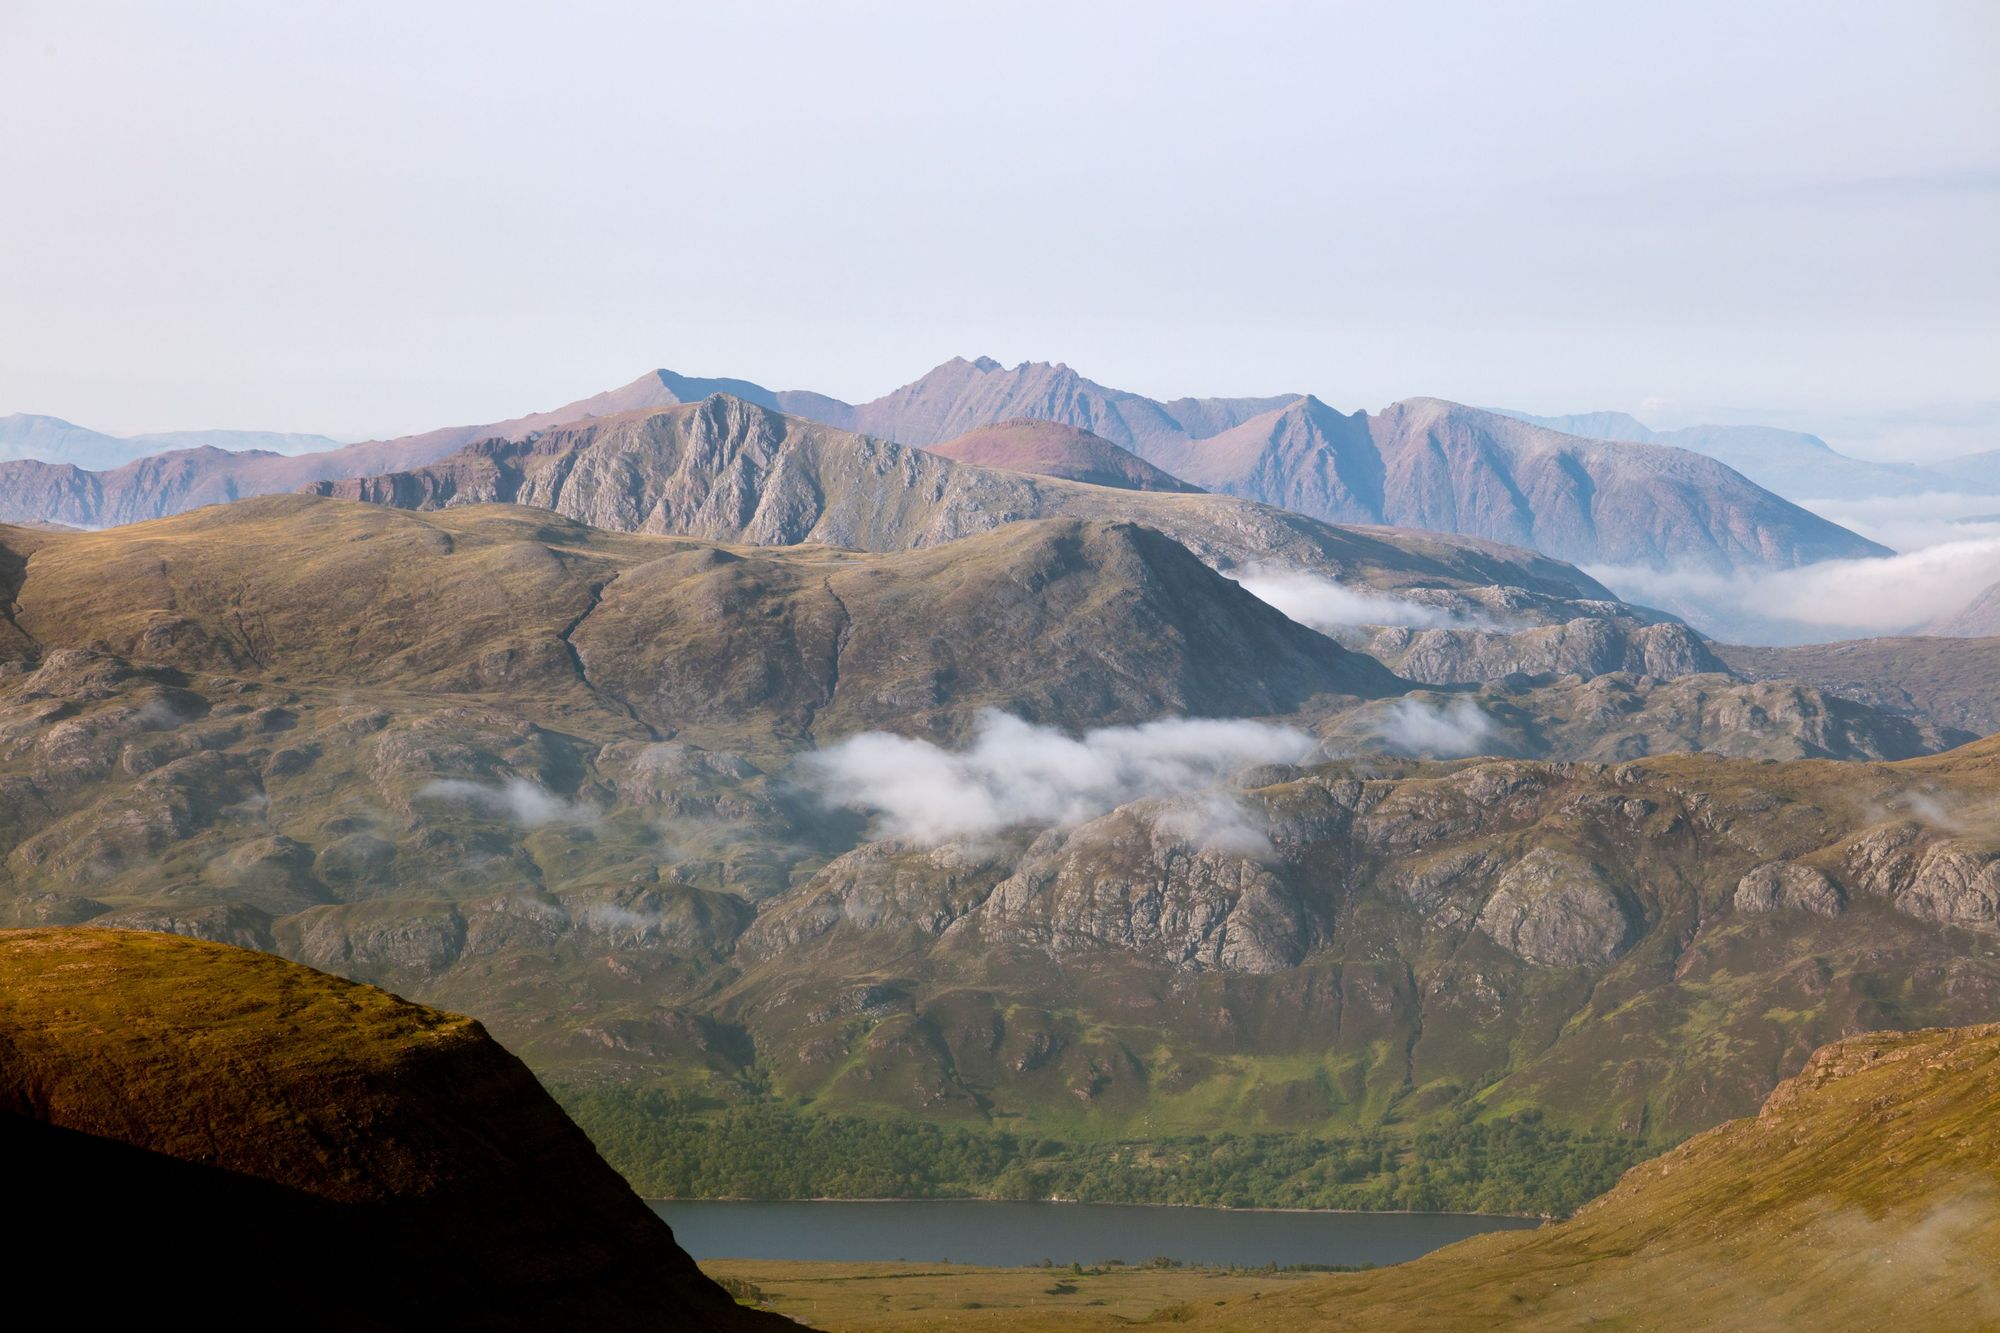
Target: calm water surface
1027 1233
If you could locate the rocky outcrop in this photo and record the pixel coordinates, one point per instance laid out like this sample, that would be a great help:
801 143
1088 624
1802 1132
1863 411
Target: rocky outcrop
1557 909
1949 880
1583 647
1176 885
886 886
1954 883
1788 886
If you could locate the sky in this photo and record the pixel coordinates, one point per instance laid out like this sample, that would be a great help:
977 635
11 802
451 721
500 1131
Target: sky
366 219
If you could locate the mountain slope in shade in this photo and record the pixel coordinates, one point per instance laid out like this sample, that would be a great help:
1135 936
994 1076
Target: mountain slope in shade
1791 463
1865 1194
729 470
269 1110
1051 450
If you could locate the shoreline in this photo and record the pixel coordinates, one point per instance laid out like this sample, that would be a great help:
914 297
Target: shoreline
1197 1207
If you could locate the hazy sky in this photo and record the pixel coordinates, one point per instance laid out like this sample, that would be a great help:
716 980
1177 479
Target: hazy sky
371 218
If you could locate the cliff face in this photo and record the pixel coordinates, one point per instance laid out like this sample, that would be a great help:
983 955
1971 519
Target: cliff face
445 1183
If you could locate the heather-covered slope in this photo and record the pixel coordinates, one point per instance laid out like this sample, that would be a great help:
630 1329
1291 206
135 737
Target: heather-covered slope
1864 1194
446 1185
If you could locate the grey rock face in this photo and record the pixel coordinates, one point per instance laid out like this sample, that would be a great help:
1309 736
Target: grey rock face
1955 883
1582 647
1786 885
1952 881
887 885
1142 880
1556 909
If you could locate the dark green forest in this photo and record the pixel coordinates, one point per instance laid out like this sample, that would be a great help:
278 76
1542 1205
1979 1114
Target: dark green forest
670 1146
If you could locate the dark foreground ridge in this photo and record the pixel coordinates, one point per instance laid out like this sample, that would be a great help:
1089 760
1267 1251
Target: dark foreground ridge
277 1147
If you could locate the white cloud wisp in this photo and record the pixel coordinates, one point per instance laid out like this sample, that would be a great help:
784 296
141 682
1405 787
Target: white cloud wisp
1016 774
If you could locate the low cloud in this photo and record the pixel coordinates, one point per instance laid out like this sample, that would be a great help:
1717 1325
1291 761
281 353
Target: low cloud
1320 603
516 799
1425 728
1016 775
1910 523
1834 598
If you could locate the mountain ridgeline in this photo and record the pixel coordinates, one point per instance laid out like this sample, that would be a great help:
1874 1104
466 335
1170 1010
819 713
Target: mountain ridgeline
1423 464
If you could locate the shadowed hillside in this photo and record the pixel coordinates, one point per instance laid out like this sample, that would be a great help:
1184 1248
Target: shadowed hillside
239 1101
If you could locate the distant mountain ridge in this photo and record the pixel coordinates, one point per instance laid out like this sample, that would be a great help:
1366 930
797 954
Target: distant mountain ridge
1796 465
24 435
730 470
1424 463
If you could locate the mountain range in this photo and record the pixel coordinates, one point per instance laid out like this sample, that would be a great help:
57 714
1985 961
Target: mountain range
1422 464
53 440
1791 463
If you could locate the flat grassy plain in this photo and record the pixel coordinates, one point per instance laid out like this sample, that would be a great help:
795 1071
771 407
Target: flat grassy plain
855 1298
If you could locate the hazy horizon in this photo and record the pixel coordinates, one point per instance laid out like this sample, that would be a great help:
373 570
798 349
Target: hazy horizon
364 222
